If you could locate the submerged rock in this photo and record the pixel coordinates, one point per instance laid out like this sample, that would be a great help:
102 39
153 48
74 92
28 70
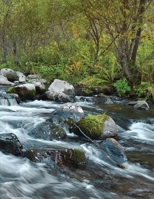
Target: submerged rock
69 157
10 144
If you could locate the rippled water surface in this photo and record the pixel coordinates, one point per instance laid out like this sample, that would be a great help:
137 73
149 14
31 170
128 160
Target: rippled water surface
99 178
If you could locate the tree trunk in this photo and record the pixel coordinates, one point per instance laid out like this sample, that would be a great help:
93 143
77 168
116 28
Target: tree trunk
135 41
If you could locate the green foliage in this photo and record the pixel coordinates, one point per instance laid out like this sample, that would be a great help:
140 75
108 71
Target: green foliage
145 58
107 68
80 40
145 90
122 87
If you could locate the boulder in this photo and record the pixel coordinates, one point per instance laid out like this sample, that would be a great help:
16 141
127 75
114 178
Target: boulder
96 127
21 77
4 81
10 144
25 91
110 128
39 83
68 111
40 87
69 157
10 74
103 99
139 104
114 150
48 131
61 91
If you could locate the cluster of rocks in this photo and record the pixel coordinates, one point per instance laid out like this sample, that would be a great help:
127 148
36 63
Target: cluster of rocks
35 87
69 116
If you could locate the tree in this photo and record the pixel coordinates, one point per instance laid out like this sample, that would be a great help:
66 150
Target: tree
123 21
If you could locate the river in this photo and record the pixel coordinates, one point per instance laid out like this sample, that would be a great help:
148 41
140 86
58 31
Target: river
98 179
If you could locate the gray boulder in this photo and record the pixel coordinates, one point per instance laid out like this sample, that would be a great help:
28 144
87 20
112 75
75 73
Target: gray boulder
38 82
10 74
139 104
4 81
61 91
110 128
21 77
69 111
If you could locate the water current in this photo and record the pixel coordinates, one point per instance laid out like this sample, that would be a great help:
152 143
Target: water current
98 179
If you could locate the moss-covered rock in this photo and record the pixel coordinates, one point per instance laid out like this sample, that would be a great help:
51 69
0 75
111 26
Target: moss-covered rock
96 126
73 157
25 91
92 125
69 157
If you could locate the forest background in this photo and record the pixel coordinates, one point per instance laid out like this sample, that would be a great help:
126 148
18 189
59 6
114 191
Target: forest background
94 43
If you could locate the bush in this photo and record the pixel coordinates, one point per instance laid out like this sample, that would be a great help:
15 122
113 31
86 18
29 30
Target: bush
122 87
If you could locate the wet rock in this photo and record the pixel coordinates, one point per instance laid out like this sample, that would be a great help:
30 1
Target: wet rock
60 91
103 99
25 91
114 150
68 111
38 82
10 74
21 77
10 144
139 104
48 131
40 87
69 157
96 127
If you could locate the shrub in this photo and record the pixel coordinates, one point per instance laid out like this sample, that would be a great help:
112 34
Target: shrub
122 87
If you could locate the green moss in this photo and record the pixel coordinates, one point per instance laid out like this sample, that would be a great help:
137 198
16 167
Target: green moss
78 156
93 125
10 90
73 157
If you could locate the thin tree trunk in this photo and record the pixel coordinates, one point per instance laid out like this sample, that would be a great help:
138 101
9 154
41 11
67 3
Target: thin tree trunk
135 41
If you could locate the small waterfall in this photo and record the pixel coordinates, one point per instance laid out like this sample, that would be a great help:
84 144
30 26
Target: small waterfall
12 102
7 100
4 102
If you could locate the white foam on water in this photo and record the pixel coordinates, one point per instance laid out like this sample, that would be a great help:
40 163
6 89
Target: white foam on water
140 131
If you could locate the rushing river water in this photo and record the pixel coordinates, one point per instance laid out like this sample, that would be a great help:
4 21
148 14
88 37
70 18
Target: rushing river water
99 179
